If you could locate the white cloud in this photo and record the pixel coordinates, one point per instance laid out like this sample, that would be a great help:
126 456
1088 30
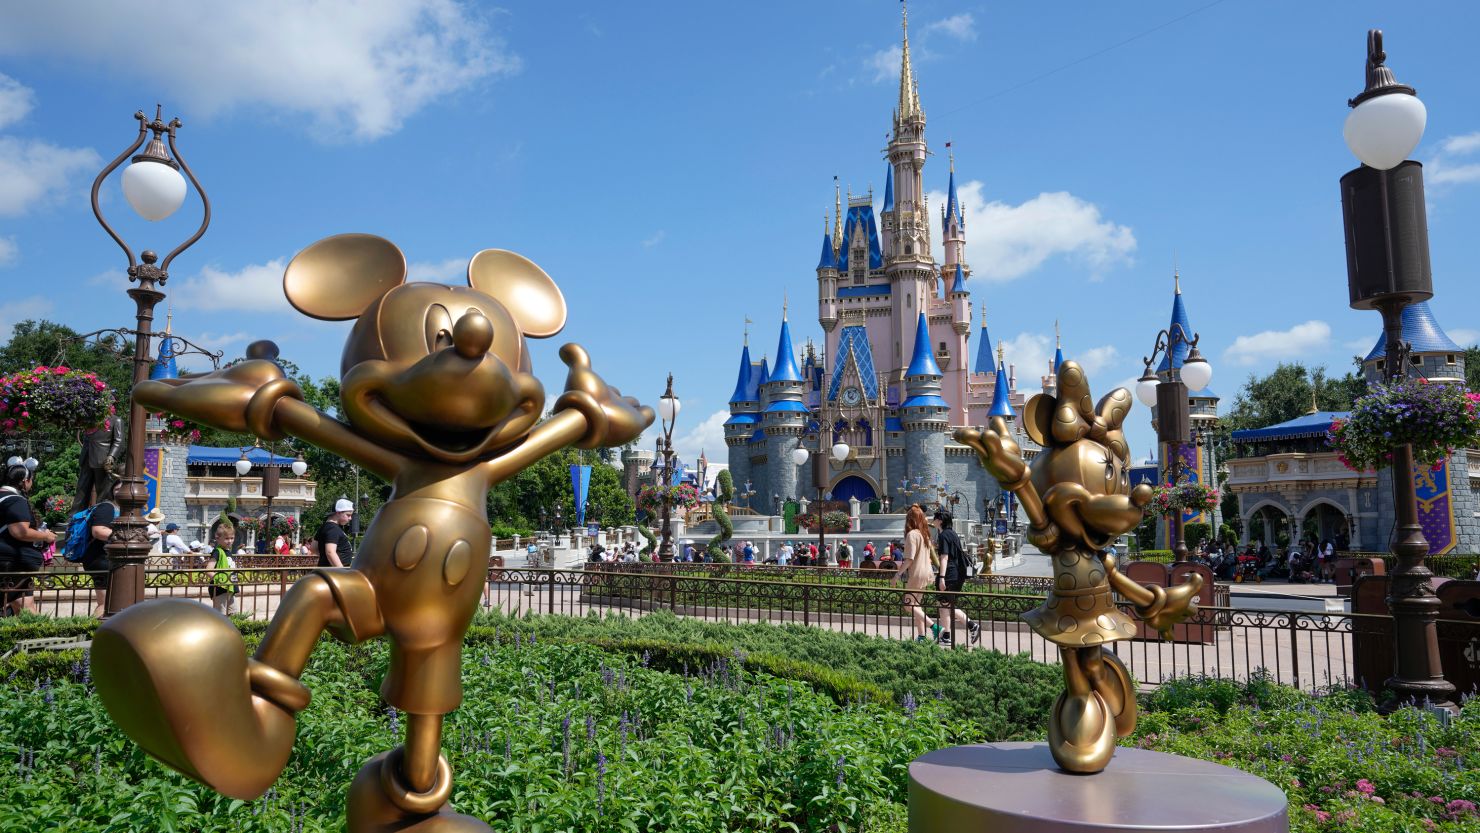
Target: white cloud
1293 344
453 270
33 172
1030 355
1009 241
1096 359
253 288
708 436
655 239
21 309
1443 169
354 69
1465 337
959 26
16 100
9 252
229 345
1362 343
885 63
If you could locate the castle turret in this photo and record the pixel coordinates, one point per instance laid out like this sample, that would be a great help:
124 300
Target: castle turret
908 262
636 462
984 359
784 417
1433 355
744 418
827 282
1001 392
1198 462
924 415
953 225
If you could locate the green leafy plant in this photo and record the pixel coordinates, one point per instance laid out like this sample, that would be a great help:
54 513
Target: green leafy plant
1436 419
716 546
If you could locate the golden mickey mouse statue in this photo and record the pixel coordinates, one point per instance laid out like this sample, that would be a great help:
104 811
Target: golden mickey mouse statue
1077 497
438 399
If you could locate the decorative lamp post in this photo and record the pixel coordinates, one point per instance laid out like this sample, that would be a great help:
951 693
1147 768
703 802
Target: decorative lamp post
1387 268
840 451
1169 397
668 407
154 188
747 494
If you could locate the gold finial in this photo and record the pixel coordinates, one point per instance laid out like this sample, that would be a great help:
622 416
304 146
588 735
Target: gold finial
1176 275
1057 341
783 305
951 155
984 316
1313 408
746 337
169 318
999 354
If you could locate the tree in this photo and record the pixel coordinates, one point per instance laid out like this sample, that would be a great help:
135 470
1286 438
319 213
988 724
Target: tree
517 502
1282 395
1472 368
726 493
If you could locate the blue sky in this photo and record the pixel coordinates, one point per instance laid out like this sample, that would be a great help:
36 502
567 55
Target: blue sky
669 165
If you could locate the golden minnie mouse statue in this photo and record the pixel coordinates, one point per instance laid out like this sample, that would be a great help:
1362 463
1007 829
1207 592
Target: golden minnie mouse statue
437 398
1078 498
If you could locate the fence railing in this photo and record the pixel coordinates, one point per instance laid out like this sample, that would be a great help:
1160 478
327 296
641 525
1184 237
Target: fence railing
1300 648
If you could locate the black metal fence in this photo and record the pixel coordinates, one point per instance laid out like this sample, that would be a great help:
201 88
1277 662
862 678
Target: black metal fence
1300 648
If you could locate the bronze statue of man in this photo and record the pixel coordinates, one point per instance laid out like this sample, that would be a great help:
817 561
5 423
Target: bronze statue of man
101 449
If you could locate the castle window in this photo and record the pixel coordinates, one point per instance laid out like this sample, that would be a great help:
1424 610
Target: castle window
1416 361
1449 359
1381 365
909 300
942 347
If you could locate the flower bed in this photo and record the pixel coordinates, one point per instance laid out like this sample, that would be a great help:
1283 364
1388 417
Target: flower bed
53 398
1344 768
1435 419
550 736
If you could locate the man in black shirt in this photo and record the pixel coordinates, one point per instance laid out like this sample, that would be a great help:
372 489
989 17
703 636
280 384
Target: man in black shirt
954 574
335 547
20 539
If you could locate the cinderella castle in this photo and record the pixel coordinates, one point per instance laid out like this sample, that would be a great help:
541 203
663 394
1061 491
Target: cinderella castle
896 369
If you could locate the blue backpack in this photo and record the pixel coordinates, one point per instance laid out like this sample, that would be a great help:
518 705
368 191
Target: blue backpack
79 534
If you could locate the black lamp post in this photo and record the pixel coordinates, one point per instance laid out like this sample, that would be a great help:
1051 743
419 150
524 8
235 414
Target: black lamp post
820 476
1169 397
154 188
668 406
1387 267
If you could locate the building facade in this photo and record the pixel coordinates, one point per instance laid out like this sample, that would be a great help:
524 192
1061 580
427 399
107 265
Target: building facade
1291 485
894 370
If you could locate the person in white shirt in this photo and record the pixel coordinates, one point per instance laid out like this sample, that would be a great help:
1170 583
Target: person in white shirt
173 543
783 555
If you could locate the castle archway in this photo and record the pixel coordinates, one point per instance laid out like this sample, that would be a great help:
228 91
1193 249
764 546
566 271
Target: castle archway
854 486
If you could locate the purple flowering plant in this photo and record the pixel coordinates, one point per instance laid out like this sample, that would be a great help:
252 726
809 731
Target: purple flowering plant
53 398
1435 418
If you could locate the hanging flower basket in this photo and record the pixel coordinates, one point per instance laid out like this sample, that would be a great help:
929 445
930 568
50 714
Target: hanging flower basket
682 496
55 399
831 521
178 429
1189 496
1436 419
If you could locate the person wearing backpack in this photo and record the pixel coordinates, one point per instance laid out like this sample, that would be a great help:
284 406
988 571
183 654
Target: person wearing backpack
222 589
21 543
956 567
98 528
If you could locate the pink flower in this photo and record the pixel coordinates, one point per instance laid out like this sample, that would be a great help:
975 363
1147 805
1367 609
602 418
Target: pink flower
1365 787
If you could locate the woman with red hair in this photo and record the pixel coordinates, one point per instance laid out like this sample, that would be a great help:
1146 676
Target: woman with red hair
919 568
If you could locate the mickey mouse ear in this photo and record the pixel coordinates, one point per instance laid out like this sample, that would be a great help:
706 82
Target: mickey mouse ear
524 289
339 277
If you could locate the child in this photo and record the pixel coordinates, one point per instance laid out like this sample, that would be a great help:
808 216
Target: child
221 588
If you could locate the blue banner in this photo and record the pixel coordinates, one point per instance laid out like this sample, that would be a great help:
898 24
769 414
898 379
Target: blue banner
580 483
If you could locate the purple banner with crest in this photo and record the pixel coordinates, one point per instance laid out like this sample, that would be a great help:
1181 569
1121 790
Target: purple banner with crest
151 477
1435 508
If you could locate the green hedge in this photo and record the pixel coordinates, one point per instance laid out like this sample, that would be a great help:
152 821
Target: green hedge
1157 556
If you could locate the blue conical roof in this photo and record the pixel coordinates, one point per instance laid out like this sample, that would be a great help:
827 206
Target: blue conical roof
765 372
786 360
888 188
164 366
959 284
985 363
1176 354
1000 393
922 363
742 382
953 206
1058 359
829 259
1421 330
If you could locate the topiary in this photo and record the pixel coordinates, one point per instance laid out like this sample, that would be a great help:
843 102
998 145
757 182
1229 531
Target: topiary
646 552
717 551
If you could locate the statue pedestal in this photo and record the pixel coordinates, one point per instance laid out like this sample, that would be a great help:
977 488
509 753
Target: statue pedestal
1017 788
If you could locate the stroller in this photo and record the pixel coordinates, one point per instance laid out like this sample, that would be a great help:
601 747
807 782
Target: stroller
1302 568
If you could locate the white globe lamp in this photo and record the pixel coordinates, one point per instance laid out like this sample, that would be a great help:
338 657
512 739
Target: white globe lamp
1146 388
1196 371
799 456
243 466
153 186
1387 119
299 466
840 451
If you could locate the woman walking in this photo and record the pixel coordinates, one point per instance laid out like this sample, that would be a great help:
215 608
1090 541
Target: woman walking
919 568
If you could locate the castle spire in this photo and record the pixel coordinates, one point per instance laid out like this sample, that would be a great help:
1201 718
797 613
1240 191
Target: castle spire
1177 350
829 259
1058 348
984 363
1001 391
909 96
888 188
922 363
837 215
786 362
742 382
